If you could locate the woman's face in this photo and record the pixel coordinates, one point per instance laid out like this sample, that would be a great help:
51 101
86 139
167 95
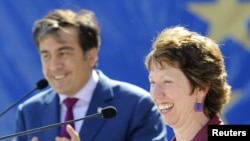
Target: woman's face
171 92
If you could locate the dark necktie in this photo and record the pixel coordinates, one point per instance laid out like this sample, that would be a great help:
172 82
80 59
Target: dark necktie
69 102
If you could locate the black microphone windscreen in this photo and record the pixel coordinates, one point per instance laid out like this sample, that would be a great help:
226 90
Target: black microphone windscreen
108 112
42 84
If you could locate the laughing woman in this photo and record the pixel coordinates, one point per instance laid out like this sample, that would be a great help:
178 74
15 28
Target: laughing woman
188 82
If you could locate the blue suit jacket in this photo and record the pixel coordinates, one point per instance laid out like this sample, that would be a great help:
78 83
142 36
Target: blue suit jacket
137 118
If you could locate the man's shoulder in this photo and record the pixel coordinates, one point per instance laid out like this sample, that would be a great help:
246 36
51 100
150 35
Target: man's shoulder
130 88
38 97
120 86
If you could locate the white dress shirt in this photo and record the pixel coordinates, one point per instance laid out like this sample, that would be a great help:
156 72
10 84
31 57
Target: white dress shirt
84 96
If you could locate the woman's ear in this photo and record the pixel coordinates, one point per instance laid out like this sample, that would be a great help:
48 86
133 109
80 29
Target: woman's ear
200 96
202 92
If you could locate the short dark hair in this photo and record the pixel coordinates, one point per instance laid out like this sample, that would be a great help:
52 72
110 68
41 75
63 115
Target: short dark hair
84 21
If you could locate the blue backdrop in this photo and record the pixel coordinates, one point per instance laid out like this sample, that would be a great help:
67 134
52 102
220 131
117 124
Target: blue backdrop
127 28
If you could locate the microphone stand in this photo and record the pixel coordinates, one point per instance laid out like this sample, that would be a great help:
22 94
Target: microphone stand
40 85
51 126
14 104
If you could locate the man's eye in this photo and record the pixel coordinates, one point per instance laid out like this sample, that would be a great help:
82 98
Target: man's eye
167 81
65 53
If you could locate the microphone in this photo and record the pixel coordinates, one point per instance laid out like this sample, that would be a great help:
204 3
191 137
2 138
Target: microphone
39 85
105 113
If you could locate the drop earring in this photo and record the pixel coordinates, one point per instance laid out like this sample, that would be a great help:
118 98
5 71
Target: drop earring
198 107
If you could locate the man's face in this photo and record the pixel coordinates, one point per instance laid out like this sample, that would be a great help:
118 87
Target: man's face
64 64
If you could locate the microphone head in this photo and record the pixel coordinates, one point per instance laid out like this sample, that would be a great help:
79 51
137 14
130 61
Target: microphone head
42 84
108 112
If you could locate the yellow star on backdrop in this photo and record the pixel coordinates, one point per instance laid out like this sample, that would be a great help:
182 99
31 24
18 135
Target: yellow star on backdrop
226 18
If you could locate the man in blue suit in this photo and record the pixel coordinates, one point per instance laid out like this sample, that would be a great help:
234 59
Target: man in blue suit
68 43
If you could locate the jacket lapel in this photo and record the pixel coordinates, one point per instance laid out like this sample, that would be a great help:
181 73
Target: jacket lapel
50 115
100 99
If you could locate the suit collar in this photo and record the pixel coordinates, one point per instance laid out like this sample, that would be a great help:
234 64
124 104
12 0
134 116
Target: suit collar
102 97
51 107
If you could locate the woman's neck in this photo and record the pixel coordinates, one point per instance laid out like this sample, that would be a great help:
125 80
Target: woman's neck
190 127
